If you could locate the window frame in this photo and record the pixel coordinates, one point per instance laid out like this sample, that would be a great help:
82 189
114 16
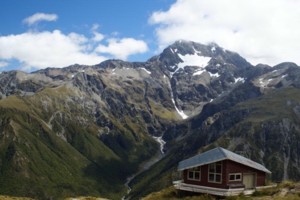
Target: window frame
194 171
235 179
213 167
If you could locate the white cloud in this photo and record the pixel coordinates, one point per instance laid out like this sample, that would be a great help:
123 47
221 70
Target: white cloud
122 48
41 49
47 49
97 36
37 50
261 31
37 17
3 64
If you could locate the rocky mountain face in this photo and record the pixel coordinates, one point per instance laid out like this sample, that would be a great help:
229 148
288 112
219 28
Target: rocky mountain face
258 118
83 130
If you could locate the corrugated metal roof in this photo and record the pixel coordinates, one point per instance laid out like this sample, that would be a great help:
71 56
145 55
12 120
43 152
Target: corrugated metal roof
218 154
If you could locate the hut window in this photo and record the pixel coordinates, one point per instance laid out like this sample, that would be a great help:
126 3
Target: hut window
194 174
235 177
215 172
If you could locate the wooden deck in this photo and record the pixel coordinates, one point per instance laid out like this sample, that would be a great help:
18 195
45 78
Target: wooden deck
216 191
208 190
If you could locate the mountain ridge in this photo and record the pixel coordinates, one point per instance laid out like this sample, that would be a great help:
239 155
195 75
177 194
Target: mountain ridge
106 116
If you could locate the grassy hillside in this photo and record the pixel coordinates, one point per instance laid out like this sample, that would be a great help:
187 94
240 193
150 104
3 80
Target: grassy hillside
52 147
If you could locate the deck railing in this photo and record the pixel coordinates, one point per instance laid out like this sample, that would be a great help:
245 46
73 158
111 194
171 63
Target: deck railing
180 185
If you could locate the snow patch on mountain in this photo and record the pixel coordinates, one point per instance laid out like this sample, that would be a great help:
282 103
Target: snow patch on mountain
213 49
147 71
173 67
214 75
239 79
193 60
199 72
180 112
283 76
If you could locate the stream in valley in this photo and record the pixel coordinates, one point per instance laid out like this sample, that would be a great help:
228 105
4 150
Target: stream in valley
146 165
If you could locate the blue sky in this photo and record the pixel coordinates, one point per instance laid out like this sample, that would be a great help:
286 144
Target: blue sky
36 34
76 15
113 18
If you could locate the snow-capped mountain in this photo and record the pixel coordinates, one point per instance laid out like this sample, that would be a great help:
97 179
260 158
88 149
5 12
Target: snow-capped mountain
90 127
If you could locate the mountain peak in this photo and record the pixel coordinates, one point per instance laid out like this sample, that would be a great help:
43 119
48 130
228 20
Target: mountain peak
198 57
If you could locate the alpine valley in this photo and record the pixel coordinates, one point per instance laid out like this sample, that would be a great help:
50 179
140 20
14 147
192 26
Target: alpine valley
98 130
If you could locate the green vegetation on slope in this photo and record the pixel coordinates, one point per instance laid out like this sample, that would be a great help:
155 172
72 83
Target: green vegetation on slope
51 147
276 104
13 198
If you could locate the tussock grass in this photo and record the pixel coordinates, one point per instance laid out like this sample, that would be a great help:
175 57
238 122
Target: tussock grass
274 105
13 198
162 112
85 198
172 193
